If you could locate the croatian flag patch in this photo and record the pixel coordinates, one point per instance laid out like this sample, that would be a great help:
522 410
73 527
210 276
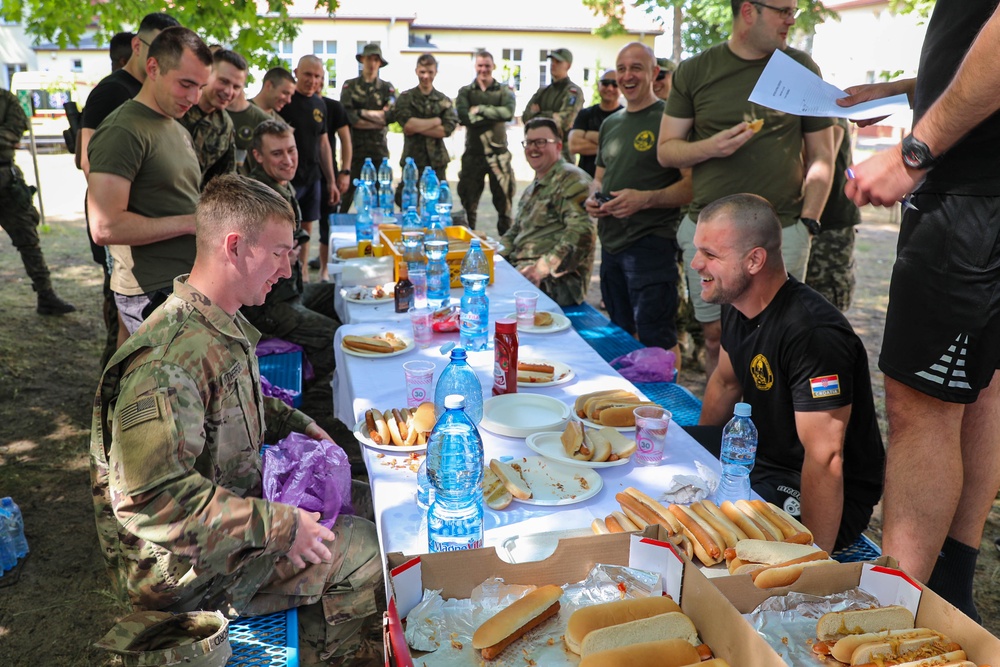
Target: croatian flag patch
828 385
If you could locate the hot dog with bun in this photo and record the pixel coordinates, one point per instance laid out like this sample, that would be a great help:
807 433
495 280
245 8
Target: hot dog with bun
367 344
512 622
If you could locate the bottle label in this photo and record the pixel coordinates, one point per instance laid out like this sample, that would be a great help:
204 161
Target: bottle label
438 547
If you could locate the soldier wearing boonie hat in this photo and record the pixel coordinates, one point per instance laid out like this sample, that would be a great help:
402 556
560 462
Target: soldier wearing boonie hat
661 84
561 100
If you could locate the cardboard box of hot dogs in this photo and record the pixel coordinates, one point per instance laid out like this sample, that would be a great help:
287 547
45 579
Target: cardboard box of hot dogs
883 579
456 574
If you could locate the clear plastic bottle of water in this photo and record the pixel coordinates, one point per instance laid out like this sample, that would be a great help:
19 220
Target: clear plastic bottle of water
429 191
425 492
474 322
19 541
8 554
368 174
410 176
458 377
363 226
438 274
444 204
455 470
385 187
739 451
411 220
435 228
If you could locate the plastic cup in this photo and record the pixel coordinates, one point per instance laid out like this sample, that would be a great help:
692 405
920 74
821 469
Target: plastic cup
419 382
651 424
525 302
420 318
418 276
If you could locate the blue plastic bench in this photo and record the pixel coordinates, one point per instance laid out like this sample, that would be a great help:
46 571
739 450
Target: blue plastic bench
862 549
265 641
609 340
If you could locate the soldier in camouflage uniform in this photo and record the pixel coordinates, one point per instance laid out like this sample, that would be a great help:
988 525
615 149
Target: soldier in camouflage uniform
19 218
299 313
552 240
179 419
561 100
831 258
427 116
369 103
484 107
210 126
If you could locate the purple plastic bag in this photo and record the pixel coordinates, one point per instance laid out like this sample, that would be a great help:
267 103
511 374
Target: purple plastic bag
647 364
285 395
310 474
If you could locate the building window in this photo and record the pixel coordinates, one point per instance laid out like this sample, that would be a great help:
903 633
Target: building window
586 74
286 47
77 65
543 75
510 68
288 63
331 72
318 47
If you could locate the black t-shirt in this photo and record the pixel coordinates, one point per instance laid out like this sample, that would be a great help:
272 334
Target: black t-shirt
801 355
113 91
336 118
589 120
971 166
307 116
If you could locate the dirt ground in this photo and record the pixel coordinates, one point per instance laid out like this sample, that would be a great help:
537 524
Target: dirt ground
56 605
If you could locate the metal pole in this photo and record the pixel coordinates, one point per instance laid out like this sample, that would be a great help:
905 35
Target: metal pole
38 176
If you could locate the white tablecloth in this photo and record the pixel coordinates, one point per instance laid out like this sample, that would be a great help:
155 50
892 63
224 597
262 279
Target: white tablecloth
363 383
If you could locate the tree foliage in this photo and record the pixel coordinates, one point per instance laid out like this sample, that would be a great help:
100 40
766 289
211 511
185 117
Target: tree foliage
234 23
919 7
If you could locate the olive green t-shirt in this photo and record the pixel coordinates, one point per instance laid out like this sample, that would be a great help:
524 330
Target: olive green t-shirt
627 151
154 153
714 88
244 123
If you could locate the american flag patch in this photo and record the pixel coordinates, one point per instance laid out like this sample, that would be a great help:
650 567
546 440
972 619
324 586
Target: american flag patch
143 410
828 385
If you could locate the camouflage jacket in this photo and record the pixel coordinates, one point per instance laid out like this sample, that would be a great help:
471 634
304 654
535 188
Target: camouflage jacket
214 141
356 95
178 423
487 128
561 101
426 151
553 232
13 124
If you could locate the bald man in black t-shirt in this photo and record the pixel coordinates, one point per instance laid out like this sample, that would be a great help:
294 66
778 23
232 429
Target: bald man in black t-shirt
796 360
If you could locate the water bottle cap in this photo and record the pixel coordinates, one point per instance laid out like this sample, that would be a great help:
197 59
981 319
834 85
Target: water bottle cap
742 410
453 401
506 326
474 243
458 352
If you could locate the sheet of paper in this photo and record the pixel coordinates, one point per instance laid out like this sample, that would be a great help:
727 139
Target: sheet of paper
787 86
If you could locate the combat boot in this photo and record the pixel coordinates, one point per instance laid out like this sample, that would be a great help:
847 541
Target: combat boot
50 304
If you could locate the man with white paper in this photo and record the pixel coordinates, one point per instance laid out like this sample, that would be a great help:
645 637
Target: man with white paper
731 152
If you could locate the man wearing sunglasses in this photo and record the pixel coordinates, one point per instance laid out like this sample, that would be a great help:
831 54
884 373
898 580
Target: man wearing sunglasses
707 126
662 83
583 136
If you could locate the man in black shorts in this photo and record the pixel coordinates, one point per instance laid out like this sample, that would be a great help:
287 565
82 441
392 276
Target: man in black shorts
796 360
942 329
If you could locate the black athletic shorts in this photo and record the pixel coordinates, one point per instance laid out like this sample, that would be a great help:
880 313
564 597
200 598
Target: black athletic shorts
308 198
942 327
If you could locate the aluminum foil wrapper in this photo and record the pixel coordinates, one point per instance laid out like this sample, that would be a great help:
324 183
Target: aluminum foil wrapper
446 627
788 622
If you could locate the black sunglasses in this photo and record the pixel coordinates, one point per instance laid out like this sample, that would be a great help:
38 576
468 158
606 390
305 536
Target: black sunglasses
662 75
609 82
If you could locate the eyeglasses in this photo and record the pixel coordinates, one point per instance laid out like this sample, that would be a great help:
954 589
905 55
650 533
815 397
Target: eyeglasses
662 75
785 12
609 82
538 143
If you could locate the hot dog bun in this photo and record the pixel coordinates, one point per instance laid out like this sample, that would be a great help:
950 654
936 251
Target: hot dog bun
620 415
771 531
587 619
702 534
378 429
579 406
622 447
654 511
904 649
572 442
772 553
367 344
727 530
733 513
664 653
599 446
513 621
495 493
844 648
672 625
600 527
951 658
423 418
837 624
795 523
536 368
617 522
543 318
775 576
511 479
532 377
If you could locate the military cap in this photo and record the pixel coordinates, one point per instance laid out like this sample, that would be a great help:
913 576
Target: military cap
372 50
666 64
147 638
564 55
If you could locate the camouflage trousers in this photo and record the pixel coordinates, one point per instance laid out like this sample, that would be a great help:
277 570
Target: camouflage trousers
831 266
339 613
502 185
19 218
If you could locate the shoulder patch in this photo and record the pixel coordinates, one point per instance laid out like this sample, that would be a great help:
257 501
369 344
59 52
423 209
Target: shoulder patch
825 386
143 410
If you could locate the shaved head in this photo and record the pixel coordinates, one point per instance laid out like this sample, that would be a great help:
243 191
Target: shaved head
754 218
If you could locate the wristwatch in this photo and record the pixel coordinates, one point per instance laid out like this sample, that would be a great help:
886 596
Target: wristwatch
344 172
813 225
916 154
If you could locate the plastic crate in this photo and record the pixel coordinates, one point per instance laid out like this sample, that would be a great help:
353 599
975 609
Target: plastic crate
265 641
608 340
863 549
685 408
284 370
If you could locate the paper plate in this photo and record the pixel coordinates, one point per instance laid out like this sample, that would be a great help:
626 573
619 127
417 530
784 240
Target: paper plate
559 323
361 434
349 295
550 446
587 422
520 415
563 373
553 483
378 355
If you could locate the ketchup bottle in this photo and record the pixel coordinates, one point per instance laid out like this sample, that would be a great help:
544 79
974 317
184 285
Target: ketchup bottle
505 357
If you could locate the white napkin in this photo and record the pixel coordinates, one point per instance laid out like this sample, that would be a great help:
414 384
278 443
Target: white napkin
369 271
687 489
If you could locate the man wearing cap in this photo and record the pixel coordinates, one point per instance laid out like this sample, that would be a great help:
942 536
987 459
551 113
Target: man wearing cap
484 107
561 100
584 135
661 85
427 116
369 102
